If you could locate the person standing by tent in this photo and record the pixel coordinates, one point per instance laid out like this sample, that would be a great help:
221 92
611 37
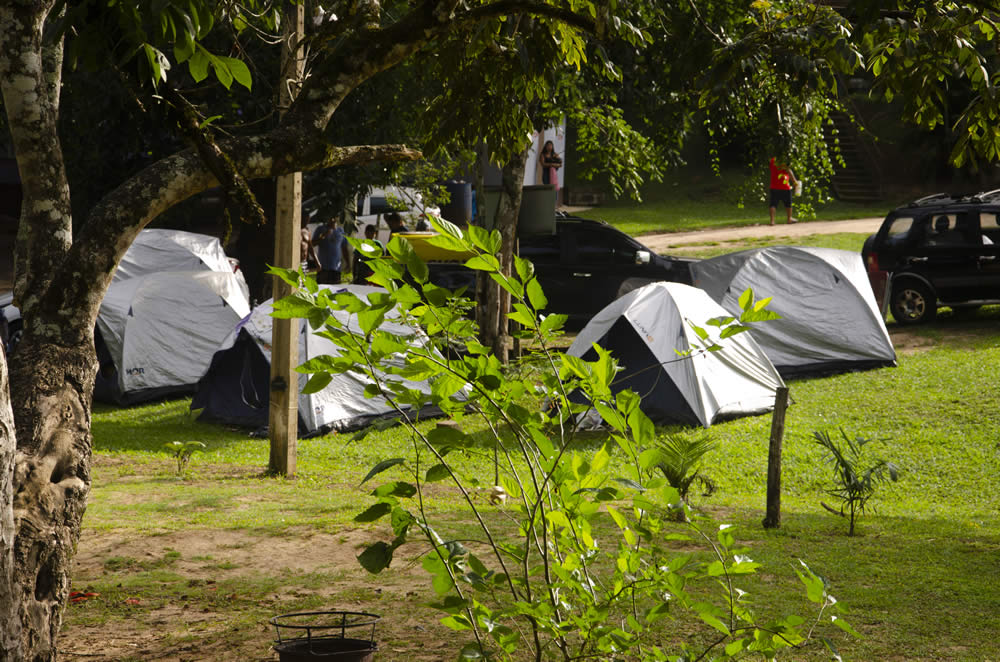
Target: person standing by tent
330 250
782 181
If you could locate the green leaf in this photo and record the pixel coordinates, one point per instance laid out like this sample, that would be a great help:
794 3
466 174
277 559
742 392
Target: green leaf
382 466
376 557
713 621
552 322
448 242
293 306
746 299
239 70
396 488
734 647
535 295
373 513
480 238
317 383
845 626
184 48
483 263
159 65
436 473
369 320
459 623
444 435
221 70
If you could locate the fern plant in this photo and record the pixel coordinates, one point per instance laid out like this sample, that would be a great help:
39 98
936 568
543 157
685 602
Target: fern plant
679 457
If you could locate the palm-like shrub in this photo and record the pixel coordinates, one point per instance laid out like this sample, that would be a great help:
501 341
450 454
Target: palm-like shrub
855 482
679 457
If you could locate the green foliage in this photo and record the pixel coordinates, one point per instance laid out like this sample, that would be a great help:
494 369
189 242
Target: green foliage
573 556
855 480
678 457
182 452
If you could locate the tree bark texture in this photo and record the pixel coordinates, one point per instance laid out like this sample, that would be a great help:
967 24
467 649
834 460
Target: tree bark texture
494 325
10 633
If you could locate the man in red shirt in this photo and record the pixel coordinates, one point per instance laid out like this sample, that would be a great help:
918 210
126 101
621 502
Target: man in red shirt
782 181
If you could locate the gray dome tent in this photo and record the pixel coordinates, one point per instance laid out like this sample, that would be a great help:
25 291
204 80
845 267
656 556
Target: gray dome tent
235 388
157 333
643 329
829 319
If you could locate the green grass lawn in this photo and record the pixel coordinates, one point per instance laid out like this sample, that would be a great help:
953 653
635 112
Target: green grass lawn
693 203
918 579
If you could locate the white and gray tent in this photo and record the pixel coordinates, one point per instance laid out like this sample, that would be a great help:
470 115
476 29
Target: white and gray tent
157 333
156 250
643 329
235 388
829 319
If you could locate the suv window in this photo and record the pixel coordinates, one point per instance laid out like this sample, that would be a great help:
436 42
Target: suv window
957 229
990 226
900 229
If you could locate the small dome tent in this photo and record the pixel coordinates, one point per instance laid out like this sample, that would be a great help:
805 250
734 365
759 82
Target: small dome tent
643 329
235 388
156 334
829 319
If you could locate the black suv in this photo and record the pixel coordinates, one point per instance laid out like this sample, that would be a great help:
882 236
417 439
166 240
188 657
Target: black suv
941 249
582 267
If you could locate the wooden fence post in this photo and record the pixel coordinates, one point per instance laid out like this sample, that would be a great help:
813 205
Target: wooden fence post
772 519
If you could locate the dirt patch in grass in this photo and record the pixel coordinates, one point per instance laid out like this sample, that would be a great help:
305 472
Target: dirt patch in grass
962 329
220 588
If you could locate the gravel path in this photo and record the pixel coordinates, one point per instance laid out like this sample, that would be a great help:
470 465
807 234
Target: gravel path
662 243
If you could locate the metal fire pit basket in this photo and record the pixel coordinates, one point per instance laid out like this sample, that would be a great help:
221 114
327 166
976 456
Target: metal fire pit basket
315 636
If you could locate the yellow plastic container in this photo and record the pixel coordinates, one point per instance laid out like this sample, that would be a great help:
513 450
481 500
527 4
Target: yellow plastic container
430 253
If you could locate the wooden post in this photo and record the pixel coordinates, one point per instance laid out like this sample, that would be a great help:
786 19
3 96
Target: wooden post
283 410
772 519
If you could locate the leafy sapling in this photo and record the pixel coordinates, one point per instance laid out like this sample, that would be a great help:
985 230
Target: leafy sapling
575 556
855 479
182 452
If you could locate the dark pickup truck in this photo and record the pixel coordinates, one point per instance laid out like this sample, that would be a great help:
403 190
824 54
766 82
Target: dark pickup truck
582 267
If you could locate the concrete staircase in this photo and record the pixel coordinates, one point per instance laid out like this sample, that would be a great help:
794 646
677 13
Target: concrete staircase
860 180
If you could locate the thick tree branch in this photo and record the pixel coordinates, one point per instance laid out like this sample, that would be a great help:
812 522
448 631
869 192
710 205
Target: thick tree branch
114 223
224 170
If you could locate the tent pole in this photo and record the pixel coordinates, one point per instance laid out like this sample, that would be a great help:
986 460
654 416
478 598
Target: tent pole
283 412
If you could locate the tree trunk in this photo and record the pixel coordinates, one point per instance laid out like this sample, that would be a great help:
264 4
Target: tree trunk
494 324
52 480
10 633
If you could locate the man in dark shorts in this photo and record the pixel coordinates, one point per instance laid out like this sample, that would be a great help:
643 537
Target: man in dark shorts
782 181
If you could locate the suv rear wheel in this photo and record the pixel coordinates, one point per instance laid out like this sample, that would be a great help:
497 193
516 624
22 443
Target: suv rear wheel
912 302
